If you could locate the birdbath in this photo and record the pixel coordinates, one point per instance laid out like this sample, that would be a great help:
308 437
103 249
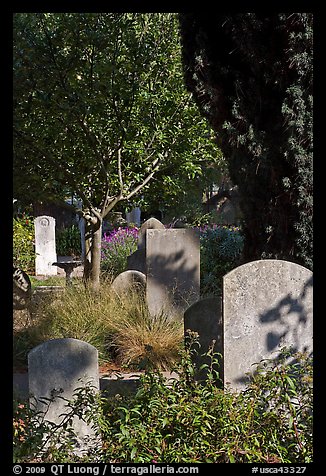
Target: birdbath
68 267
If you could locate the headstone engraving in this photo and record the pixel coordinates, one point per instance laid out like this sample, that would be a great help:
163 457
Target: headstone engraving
57 368
45 248
22 289
267 305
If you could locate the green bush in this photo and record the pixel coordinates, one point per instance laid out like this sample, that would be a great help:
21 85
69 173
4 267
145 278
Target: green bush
220 249
68 241
187 422
23 243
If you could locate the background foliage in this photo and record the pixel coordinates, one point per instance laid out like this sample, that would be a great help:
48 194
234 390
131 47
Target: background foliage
252 77
220 252
23 243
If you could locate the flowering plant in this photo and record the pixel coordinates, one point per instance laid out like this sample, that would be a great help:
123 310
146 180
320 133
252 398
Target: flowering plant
116 247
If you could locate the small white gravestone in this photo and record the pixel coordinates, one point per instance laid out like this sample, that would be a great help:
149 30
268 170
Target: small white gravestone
45 246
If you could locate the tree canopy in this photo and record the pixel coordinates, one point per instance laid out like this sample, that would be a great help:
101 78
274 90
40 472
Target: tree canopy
101 109
251 75
100 104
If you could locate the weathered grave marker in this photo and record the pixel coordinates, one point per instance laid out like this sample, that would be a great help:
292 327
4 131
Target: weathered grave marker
130 280
137 260
267 305
45 248
57 368
22 289
134 216
173 269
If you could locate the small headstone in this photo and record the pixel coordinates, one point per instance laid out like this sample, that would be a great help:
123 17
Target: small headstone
45 248
173 269
22 289
128 281
204 317
134 216
57 368
267 305
150 224
137 260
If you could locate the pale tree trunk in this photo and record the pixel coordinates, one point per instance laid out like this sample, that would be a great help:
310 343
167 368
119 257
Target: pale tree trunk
96 257
92 261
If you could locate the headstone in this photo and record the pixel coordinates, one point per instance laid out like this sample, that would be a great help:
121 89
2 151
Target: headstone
45 246
57 368
150 224
130 280
137 260
134 216
173 269
204 317
267 305
22 289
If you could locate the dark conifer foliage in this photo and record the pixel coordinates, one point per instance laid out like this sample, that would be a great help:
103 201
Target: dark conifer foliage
251 76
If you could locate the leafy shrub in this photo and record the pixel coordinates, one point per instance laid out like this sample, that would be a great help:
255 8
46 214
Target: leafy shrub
68 241
186 422
36 439
220 249
116 247
23 243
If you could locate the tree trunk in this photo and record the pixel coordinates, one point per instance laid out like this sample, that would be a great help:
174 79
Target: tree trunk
88 252
92 261
96 256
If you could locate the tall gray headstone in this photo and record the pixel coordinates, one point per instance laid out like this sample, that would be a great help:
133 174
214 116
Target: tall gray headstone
267 305
45 249
173 269
204 317
57 368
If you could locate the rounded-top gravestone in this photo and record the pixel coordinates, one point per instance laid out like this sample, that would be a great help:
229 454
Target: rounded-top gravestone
56 369
129 281
267 306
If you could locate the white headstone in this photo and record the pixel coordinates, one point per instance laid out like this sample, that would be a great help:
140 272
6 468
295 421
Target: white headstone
45 248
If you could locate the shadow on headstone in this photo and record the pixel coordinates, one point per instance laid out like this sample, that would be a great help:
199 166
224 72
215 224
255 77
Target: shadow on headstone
137 260
173 269
267 306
